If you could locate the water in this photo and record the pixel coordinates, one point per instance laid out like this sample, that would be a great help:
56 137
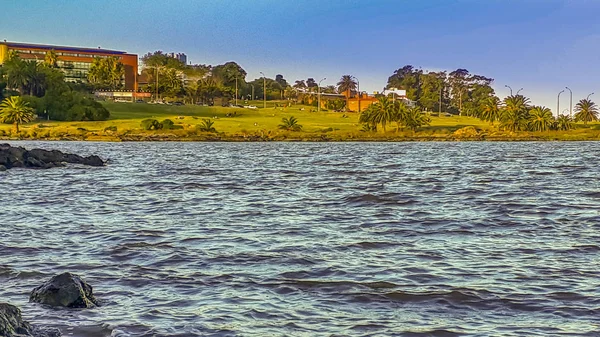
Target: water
311 239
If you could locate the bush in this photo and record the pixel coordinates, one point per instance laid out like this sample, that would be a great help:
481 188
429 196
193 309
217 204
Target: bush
167 124
112 128
151 124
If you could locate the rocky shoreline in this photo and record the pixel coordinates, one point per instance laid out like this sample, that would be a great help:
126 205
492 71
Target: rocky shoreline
19 157
64 290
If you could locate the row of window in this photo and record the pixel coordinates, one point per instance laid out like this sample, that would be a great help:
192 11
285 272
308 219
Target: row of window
39 52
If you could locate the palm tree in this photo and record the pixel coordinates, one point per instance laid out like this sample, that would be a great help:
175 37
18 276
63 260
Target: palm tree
540 119
17 74
382 112
414 118
563 123
587 111
51 59
207 126
347 84
490 110
515 113
290 124
14 110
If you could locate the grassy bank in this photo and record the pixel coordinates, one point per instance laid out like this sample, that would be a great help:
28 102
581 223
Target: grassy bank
239 124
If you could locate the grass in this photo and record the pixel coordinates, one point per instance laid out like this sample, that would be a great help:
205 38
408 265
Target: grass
262 124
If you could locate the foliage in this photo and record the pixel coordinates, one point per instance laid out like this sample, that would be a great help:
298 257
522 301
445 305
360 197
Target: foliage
151 124
206 126
106 73
413 118
167 124
490 109
563 123
347 85
515 113
15 110
290 124
335 104
540 119
586 111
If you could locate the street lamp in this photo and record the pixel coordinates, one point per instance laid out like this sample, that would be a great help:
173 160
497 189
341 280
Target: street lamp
588 97
570 102
519 91
264 90
236 91
508 86
558 104
319 94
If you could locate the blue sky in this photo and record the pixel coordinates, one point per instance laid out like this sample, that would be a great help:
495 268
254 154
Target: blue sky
539 45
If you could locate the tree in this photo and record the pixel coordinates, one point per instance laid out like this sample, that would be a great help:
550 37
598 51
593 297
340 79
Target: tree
51 59
563 123
206 126
290 124
586 111
382 112
14 110
229 72
432 85
540 118
413 118
106 73
490 110
282 82
347 85
409 79
515 113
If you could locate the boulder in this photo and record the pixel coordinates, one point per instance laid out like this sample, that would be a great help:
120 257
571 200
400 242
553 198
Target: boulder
11 157
13 325
65 290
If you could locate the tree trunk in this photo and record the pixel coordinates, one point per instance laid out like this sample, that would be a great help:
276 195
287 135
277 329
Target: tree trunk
17 126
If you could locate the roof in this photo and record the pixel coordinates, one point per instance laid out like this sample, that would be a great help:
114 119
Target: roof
62 48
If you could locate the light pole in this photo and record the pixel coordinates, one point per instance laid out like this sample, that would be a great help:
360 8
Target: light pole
319 94
570 102
252 97
508 86
558 104
588 97
264 90
518 91
236 91
441 92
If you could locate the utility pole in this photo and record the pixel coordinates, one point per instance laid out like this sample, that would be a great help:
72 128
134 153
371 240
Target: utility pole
252 98
558 104
264 90
236 91
570 102
319 94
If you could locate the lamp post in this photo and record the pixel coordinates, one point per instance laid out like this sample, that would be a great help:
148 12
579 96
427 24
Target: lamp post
518 91
508 86
570 102
558 104
319 94
264 90
252 97
440 108
588 96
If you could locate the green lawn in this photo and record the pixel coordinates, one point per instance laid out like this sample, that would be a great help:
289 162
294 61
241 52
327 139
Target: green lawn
242 122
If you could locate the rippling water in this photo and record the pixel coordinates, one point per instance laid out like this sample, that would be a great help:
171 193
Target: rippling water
312 239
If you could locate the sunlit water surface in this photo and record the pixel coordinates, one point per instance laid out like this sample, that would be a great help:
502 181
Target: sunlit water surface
311 239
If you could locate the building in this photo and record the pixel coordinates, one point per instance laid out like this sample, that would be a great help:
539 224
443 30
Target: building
74 61
181 57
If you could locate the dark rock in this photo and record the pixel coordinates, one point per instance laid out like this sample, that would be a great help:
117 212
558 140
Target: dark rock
13 325
65 290
37 158
2 168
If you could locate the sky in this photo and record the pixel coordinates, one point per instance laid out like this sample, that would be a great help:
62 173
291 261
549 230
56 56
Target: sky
538 45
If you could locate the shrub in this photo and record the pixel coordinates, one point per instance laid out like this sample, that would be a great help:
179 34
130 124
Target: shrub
167 124
151 124
206 126
112 128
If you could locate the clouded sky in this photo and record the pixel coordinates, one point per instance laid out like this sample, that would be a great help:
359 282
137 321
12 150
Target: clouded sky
539 45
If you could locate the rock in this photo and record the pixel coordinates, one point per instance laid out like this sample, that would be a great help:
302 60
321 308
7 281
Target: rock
2 168
12 324
65 290
11 157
